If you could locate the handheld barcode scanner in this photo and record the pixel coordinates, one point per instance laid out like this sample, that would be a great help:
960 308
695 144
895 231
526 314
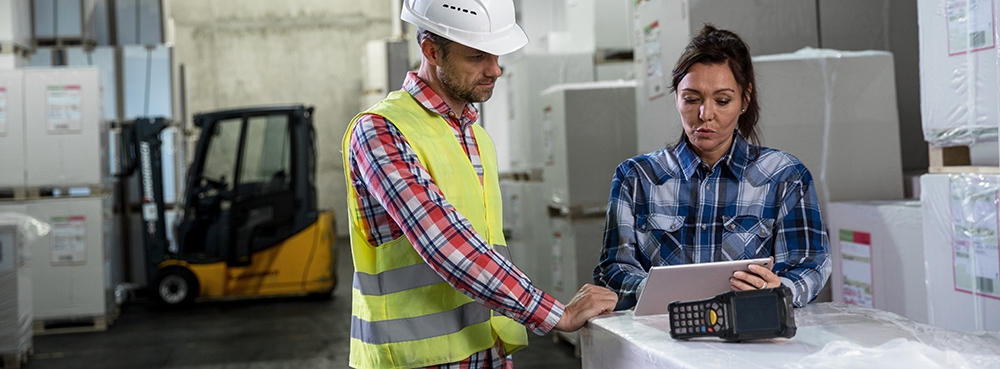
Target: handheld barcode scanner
735 316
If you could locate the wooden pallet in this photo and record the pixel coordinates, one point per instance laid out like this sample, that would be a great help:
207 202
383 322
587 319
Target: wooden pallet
955 159
63 42
13 194
16 359
71 325
9 47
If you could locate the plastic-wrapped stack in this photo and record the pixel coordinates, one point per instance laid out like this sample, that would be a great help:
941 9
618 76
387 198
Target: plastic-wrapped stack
16 336
958 74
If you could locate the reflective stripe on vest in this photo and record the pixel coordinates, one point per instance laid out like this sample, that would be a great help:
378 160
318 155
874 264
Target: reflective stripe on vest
402 330
405 278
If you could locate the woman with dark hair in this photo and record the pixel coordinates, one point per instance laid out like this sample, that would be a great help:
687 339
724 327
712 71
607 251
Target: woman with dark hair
715 195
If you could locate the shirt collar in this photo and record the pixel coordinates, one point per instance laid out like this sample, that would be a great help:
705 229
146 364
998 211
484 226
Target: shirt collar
433 102
736 159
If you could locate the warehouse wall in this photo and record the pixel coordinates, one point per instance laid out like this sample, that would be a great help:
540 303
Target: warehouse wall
255 52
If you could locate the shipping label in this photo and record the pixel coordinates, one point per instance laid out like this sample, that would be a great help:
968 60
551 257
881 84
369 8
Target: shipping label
856 267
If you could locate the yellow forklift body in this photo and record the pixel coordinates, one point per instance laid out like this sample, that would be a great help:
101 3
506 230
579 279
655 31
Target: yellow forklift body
302 264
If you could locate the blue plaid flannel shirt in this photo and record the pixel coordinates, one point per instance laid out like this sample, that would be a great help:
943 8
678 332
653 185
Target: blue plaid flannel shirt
668 207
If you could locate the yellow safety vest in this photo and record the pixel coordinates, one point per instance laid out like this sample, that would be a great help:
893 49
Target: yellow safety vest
403 313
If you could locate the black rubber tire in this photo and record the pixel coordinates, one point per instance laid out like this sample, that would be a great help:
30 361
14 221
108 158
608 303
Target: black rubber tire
174 287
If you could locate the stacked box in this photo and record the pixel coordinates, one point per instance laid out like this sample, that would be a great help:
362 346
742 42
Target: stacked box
64 20
587 129
12 169
958 72
526 229
960 246
139 22
15 285
877 249
527 76
574 250
816 103
71 266
146 88
65 135
15 25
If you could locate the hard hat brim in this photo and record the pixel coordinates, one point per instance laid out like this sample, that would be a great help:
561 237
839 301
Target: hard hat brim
498 43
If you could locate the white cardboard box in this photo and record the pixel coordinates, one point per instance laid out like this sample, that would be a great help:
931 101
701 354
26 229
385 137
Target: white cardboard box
15 286
960 245
12 170
70 267
958 71
836 112
65 135
587 129
878 256
527 76
574 250
15 24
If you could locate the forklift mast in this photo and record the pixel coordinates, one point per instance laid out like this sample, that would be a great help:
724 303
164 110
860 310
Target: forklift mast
143 149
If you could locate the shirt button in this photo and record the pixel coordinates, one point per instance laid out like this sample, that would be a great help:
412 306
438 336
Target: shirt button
704 226
731 227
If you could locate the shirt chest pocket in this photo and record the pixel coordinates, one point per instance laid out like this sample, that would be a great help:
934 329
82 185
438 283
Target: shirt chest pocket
660 230
745 236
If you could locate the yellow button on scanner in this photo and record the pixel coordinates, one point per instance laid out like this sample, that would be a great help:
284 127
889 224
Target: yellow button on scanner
712 317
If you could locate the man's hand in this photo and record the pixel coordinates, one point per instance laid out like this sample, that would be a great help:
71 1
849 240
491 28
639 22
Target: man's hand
589 302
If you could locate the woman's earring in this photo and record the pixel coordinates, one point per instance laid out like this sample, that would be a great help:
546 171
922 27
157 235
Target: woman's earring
743 111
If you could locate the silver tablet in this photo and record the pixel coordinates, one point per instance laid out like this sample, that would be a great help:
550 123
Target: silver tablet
688 282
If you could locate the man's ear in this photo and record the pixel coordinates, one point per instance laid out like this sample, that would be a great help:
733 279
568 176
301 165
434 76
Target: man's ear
430 51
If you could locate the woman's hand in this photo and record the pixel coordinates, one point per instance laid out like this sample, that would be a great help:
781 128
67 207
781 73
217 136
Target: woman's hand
757 278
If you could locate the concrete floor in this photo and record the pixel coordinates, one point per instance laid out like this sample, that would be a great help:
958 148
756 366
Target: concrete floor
254 334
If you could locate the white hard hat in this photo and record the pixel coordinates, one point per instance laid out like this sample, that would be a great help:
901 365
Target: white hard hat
486 25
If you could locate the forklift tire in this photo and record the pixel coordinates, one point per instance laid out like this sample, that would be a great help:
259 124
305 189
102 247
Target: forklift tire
175 287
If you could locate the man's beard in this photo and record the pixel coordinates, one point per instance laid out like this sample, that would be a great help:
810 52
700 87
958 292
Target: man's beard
465 93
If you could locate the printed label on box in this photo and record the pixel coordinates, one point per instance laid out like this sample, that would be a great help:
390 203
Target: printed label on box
3 112
974 215
64 107
654 62
69 240
970 25
856 267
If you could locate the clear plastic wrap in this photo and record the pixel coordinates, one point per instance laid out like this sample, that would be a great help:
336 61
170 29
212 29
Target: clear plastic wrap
960 249
828 335
17 231
958 68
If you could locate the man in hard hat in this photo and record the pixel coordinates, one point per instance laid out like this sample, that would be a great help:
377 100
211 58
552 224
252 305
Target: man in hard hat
433 285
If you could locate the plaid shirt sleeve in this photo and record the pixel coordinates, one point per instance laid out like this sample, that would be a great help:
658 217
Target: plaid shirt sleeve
621 267
383 162
801 245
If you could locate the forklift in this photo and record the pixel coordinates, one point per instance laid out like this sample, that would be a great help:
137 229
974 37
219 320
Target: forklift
249 224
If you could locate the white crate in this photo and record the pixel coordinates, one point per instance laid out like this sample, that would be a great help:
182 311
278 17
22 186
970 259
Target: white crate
15 24
65 135
12 170
574 249
959 210
527 75
958 71
587 129
66 20
71 267
527 229
877 249
836 112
